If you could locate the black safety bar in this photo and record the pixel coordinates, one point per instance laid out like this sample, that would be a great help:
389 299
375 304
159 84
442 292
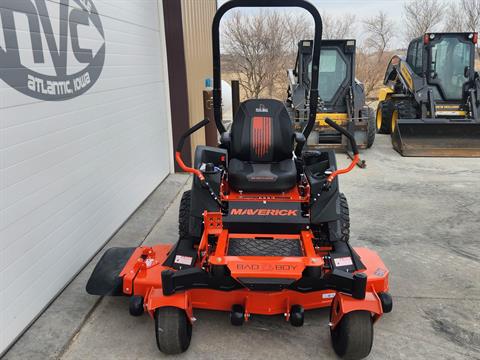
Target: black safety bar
217 83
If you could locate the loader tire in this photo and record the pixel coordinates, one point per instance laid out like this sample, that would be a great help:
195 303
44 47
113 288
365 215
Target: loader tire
371 127
384 117
184 215
406 109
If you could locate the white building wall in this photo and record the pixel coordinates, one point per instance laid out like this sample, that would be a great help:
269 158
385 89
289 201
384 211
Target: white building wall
72 171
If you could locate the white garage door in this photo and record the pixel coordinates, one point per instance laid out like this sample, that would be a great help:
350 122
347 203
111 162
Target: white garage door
85 137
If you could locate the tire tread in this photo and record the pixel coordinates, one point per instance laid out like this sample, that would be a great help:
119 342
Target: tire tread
352 339
173 331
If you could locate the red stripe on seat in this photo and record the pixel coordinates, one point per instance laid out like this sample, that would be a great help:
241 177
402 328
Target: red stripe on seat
261 135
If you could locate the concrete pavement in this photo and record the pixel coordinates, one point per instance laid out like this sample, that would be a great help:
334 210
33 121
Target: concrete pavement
422 216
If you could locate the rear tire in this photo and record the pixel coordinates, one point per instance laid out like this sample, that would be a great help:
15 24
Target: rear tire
352 338
384 117
344 218
184 215
173 330
339 230
371 128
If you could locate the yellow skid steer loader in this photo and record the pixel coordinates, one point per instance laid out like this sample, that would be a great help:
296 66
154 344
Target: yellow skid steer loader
430 103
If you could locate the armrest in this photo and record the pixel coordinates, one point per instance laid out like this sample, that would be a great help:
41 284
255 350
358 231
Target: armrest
300 138
225 139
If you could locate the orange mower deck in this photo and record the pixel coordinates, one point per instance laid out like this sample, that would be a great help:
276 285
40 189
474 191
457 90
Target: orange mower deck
142 276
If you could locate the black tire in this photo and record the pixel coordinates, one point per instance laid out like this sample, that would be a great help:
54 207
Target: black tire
337 230
135 306
172 330
383 118
344 218
352 338
237 315
387 302
371 127
406 109
184 215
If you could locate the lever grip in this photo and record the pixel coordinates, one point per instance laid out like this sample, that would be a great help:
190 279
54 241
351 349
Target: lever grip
189 132
344 132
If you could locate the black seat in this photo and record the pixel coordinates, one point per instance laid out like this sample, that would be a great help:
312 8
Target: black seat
261 148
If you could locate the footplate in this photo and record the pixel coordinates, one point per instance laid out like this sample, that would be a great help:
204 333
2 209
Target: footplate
264 247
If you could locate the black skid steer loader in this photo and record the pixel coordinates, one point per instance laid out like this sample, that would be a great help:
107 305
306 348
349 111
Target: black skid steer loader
342 96
430 103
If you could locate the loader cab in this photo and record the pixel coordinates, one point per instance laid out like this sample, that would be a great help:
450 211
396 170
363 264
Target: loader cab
447 61
337 63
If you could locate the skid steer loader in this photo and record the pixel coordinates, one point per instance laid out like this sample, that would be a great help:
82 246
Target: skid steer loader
430 103
342 97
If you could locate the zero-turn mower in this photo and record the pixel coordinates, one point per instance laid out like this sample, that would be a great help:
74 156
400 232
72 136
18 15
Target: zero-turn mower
264 230
341 96
431 100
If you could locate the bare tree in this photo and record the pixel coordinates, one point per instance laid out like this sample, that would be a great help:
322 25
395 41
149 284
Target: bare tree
422 16
338 27
259 48
455 20
379 31
471 13
370 69
256 46
298 27
463 16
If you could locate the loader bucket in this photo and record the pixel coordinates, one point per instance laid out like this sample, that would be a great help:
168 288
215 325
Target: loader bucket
437 139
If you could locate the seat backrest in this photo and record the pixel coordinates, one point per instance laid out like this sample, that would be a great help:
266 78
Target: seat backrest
261 132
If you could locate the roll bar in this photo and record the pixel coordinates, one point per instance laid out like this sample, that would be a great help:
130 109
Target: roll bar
217 84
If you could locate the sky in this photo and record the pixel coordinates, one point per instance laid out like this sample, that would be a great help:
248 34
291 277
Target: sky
361 9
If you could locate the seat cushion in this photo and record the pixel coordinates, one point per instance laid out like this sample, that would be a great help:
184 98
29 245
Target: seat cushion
260 177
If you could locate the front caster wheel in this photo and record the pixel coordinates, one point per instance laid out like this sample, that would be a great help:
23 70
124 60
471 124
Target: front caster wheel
173 330
135 306
297 315
387 302
237 315
352 338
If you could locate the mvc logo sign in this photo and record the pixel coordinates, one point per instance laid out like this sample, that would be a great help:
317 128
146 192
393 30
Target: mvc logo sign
62 53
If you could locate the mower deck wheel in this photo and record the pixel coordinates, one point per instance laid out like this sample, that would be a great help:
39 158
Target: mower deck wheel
237 315
173 330
135 306
387 302
297 315
352 338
